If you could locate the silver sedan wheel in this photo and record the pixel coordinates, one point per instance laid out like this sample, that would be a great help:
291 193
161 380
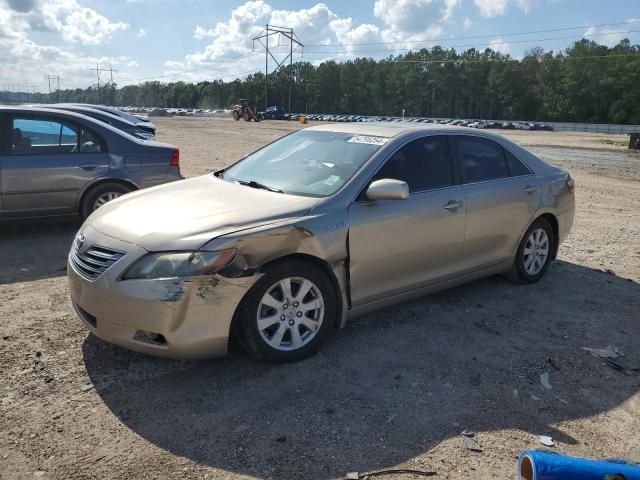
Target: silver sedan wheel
536 251
105 198
290 313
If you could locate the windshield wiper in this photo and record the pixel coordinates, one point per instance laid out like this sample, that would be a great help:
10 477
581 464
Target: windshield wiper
254 184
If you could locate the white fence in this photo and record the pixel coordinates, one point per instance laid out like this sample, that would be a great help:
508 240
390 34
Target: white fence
594 127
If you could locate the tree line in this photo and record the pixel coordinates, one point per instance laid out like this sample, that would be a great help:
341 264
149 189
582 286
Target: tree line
586 82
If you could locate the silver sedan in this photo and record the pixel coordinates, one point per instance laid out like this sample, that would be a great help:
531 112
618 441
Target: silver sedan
317 227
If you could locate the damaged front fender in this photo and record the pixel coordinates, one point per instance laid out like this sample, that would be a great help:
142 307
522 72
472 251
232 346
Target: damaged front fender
322 237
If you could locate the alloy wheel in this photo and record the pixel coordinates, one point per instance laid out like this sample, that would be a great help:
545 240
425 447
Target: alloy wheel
536 251
104 199
290 313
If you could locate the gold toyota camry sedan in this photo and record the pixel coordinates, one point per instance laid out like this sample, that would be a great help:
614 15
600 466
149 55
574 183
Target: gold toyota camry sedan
319 226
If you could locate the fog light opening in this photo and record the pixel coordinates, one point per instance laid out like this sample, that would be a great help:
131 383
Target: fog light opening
150 337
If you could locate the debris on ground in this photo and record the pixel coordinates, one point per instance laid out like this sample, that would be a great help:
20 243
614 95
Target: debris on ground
86 387
470 441
546 440
535 398
607 352
544 380
617 366
552 363
393 471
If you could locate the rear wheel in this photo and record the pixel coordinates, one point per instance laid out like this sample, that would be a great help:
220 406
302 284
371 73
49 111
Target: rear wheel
534 252
288 312
101 195
236 115
246 116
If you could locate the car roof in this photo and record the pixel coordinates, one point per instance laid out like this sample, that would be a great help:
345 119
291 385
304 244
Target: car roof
393 129
68 113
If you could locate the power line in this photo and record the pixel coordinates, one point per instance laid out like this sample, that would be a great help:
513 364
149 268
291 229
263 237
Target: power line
207 67
353 52
449 39
470 60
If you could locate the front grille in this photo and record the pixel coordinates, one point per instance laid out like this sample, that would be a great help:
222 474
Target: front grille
94 261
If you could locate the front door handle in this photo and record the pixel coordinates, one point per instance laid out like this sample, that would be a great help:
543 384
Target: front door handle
88 166
530 188
453 205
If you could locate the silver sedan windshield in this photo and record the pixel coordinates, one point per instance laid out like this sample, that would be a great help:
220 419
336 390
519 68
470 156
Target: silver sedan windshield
310 163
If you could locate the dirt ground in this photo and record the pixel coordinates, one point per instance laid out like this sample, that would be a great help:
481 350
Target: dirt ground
394 389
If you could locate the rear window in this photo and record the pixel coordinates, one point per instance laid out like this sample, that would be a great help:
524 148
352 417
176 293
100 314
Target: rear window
481 159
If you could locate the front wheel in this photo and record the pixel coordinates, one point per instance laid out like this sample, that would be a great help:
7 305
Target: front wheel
288 312
534 252
101 195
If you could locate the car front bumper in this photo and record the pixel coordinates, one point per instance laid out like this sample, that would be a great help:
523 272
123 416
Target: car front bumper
175 318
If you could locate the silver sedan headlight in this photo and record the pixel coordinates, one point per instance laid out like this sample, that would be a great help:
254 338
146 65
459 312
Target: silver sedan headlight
179 264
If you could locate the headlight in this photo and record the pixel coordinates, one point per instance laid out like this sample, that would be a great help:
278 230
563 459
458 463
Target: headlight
179 264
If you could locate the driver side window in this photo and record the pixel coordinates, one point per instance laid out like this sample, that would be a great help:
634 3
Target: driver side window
424 164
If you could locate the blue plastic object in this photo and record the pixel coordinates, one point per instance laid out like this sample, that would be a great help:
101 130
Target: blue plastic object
541 465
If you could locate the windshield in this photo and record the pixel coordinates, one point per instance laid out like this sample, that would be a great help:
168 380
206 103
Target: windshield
307 162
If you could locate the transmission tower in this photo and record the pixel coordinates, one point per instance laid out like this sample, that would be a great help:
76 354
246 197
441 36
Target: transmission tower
98 69
56 79
269 31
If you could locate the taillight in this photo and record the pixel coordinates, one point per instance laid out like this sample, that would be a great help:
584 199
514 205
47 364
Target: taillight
175 158
571 184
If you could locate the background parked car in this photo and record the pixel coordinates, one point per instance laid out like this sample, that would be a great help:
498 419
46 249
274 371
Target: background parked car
141 121
275 113
57 162
108 118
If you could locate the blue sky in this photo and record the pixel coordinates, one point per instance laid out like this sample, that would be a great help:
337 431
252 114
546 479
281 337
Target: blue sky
194 40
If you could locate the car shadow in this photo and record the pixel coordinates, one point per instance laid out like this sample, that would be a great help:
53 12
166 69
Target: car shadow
392 384
33 250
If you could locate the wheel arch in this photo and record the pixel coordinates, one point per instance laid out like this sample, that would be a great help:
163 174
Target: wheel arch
553 221
304 257
102 181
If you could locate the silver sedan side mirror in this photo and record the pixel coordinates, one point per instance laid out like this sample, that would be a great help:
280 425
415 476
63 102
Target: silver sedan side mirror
388 189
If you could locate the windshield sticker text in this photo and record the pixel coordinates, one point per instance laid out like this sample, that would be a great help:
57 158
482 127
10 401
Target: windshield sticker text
368 140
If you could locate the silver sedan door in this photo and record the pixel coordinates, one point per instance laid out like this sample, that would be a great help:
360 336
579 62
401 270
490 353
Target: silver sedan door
47 165
502 197
399 245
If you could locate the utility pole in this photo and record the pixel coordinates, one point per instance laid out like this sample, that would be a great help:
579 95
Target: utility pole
287 33
98 69
56 78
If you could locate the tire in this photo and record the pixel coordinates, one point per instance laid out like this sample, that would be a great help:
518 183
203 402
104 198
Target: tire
274 339
236 115
534 253
104 191
246 117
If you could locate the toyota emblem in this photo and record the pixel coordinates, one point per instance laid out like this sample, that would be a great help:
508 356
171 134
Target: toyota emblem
80 239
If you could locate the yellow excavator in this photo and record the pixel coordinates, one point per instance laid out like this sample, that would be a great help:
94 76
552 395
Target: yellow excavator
243 110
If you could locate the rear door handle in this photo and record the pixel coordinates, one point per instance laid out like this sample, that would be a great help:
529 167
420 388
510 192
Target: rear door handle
530 188
453 205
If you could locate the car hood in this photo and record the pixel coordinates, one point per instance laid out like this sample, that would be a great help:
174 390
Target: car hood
186 214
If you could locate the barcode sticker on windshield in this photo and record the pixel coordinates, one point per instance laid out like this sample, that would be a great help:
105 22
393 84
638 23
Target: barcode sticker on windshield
368 140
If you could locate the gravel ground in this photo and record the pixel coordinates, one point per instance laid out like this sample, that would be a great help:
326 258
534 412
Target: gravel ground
394 389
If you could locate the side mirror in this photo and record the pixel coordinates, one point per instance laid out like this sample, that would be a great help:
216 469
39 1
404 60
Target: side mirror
388 189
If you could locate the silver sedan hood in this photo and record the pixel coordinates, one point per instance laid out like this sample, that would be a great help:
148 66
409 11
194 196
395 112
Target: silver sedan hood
186 214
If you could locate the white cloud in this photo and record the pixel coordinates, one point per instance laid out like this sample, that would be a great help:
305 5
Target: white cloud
66 18
87 26
494 8
324 33
605 35
467 23
141 33
499 45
